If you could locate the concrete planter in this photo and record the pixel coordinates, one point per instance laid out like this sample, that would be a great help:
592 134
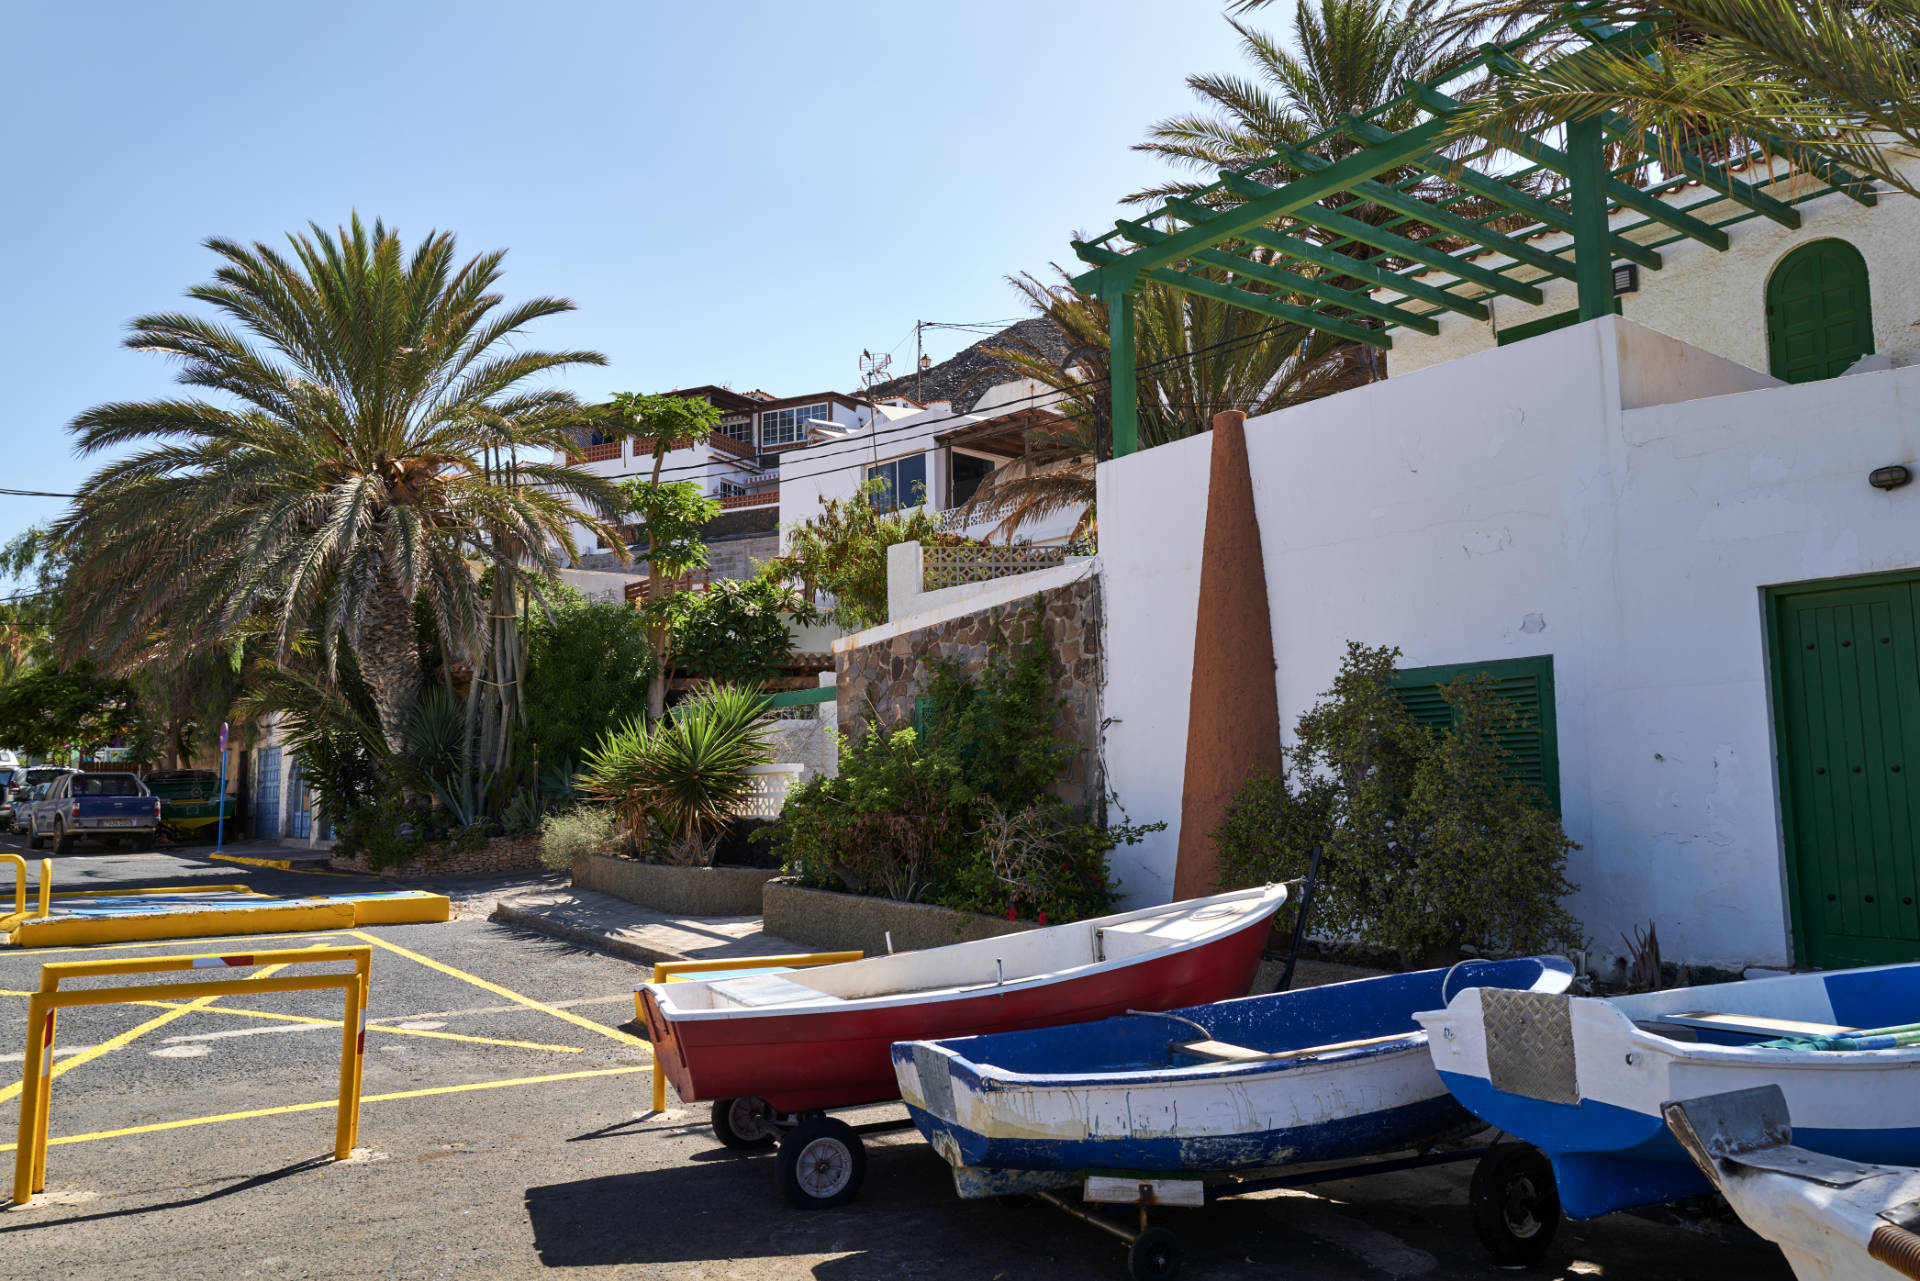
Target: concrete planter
677 891
834 922
497 857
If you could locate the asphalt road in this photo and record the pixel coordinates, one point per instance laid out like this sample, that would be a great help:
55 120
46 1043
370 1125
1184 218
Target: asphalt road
502 1140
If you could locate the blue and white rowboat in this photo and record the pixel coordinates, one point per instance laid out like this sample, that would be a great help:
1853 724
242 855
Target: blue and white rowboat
1583 1079
1318 1074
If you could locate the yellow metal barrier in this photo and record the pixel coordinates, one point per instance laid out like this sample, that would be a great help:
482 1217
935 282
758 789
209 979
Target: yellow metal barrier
36 1082
20 883
667 971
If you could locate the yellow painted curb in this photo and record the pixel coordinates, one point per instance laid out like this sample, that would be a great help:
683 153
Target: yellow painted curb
271 919
417 909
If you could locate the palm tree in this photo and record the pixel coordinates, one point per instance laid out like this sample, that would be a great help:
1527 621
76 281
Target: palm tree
1195 357
1795 78
364 457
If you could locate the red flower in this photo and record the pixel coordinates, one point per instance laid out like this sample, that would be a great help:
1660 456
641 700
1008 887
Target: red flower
1042 918
1010 915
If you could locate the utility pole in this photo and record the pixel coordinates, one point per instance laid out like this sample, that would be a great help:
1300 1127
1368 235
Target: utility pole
919 364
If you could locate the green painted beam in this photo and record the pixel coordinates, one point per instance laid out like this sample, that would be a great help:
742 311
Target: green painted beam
1492 188
1401 246
1713 176
1267 307
1345 265
1618 192
1445 220
801 697
1269 275
1123 384
1592 253
1278 202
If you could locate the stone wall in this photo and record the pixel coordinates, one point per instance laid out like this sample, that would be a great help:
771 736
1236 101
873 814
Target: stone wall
880 681
499 856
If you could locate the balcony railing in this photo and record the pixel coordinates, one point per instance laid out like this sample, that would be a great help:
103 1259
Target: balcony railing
953 566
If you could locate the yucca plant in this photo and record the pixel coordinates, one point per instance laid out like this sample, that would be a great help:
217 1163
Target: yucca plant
686 777
365 454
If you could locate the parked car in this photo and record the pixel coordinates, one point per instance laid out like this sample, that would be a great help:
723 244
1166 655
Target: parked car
31 787
13 781
94 806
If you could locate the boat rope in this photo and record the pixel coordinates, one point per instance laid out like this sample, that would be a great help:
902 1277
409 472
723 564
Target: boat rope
1866 1038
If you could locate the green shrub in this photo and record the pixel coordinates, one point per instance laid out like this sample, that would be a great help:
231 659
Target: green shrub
393 831
1429 845
587 669
684 778
962 815
584 829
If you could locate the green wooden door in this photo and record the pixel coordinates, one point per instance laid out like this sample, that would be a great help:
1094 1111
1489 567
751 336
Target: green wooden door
1819 315
1847 706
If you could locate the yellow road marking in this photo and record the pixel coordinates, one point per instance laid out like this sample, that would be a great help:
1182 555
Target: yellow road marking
88 1055
625 1038
373 1027
329 1103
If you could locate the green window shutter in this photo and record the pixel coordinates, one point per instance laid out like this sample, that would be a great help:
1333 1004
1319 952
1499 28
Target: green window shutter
1819 312
1527 686
922 714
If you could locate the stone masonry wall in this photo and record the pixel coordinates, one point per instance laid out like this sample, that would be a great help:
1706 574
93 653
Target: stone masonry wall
879 682
500 855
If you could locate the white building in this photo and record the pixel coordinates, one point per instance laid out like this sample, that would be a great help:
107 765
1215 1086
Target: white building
1707 569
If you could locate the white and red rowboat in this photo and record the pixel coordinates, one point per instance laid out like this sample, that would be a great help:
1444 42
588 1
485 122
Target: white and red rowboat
808 1040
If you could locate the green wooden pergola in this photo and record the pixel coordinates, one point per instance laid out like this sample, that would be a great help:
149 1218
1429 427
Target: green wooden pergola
1283 252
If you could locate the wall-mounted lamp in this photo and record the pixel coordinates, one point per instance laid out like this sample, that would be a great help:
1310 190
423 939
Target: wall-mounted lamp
1626 278
1889 477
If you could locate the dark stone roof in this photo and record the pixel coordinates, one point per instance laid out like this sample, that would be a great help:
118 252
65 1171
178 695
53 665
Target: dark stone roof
970 373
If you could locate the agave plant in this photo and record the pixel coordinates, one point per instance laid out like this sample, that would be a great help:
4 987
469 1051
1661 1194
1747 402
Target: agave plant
687 776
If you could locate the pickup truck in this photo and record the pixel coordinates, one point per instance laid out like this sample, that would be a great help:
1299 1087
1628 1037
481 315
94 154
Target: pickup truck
90 806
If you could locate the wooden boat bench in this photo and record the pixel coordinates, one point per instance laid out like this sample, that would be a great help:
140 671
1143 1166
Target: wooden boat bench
766 989
1747 1024
1222 1052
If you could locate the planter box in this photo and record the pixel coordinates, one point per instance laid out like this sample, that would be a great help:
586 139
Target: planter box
834 922
499 856
677 891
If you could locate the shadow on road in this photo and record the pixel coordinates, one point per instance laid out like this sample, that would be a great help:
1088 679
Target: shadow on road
231 1189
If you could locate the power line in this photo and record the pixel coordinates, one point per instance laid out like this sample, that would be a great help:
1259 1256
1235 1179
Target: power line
35 493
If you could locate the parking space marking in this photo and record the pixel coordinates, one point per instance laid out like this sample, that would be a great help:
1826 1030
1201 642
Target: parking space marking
157 1126
371 1027
614 1033
63 1066
624 998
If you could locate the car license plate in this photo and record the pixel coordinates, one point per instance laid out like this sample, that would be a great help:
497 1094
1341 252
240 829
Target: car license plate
120 822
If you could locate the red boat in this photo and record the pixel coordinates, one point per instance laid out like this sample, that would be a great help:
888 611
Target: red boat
776 1050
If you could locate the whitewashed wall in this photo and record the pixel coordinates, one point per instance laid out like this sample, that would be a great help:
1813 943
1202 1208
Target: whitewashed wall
1570 496
1714 299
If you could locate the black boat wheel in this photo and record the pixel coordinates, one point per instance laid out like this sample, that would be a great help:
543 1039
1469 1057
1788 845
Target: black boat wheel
1515 1205
744 1123
1155 1255
822 1163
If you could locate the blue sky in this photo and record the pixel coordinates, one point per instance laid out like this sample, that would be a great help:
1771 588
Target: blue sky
745 193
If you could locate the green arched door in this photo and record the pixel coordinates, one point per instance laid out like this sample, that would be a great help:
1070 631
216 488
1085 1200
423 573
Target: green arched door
1819 318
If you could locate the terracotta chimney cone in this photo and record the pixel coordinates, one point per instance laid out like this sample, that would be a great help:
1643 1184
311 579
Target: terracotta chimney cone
1233 722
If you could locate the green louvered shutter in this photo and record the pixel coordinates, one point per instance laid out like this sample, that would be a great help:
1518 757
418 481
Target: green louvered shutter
1527 686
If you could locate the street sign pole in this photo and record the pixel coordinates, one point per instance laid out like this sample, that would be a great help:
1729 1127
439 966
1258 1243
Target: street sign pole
220 823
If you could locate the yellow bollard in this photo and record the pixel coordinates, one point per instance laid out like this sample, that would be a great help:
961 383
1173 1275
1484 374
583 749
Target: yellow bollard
46 885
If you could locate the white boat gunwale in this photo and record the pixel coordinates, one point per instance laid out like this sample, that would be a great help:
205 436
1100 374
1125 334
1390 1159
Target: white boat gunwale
673 1012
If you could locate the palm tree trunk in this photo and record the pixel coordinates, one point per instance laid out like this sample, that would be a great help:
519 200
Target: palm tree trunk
390 655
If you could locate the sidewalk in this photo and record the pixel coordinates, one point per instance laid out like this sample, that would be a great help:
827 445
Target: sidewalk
634 932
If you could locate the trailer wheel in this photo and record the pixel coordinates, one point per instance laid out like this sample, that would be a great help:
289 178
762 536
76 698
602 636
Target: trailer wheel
822 1164
1515 1205
1155 1255
744 1123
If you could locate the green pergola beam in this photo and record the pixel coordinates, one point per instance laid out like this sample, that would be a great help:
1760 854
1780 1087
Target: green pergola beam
1505 193
1343 264
1444 219
1618 192
1715 177
1399 246
1269 275
1278 202
1267 307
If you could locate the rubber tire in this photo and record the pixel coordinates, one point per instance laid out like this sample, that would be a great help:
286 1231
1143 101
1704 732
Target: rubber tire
836 1142
34 839
728 1129
1155 1255
1514 1177
62 841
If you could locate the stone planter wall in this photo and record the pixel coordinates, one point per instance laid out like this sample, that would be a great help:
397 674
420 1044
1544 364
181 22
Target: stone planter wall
835 922
678 891
500 855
